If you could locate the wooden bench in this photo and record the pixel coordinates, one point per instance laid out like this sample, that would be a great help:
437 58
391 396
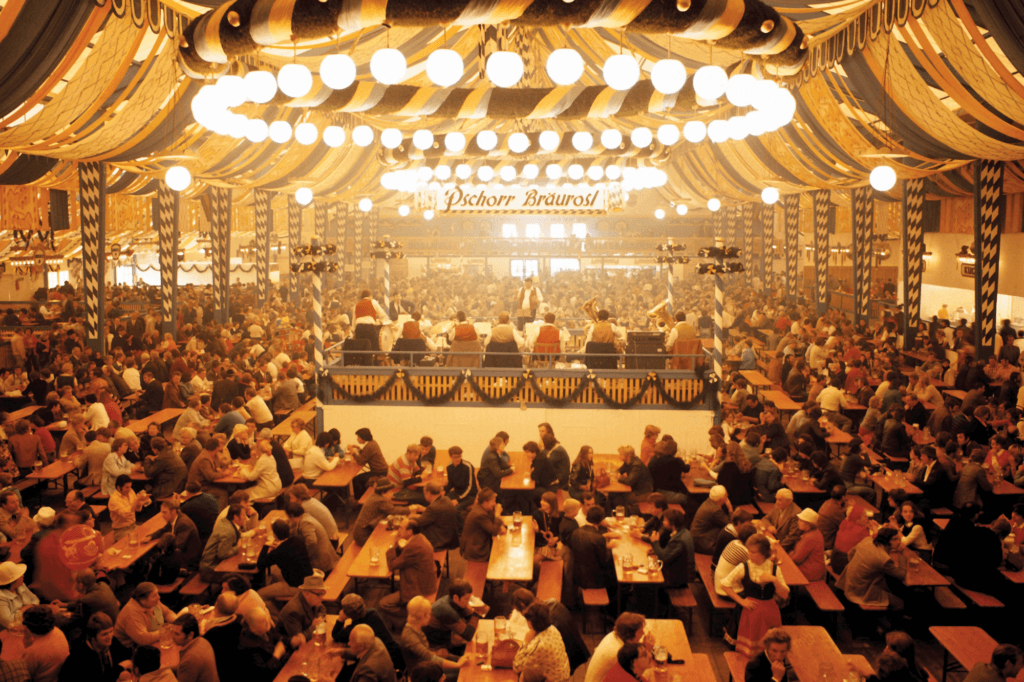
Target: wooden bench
707 577
26 483
942 511
549 585
476 575
980 599
737 666
947 600
90 491
337 580
195 587
941 523
683 599
171 588
595 598
826 600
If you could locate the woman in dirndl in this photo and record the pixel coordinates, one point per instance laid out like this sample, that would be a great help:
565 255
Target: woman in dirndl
762 580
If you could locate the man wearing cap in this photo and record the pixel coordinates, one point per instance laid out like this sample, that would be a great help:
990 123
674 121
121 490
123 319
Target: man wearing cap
303 610
413 558
809 552
781 522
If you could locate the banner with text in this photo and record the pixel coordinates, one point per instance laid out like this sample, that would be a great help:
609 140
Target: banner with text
523 200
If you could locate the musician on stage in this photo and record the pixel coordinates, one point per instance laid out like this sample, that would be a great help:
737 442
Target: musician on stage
683 331
412 330
369 317
525 303
503 332
547 335
604 331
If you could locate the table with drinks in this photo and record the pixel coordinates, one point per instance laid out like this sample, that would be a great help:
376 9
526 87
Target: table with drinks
891 480
815 656
633 564
317 659
920 573
371 562
512 552
51 472
340 476
158 418
123 554
249 547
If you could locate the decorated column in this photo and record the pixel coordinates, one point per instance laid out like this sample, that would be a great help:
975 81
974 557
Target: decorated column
359 265
913 254
989 218
319 222
294 239
264 219
717 221
372 219
862 212
767 244
318 321
748 242
92 185
343 221
669 254
822 247
165 214
220 244
791 221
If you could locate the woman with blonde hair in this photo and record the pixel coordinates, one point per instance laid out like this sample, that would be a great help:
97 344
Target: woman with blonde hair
263 469
238 446
736 475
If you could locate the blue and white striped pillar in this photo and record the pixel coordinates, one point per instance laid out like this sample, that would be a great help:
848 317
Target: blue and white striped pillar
92 185
294 239
318 337
165 215
671 288
719 310
220 245
264 225
387 285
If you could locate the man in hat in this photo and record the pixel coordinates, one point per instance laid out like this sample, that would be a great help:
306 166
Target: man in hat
304 611
781 522
809 552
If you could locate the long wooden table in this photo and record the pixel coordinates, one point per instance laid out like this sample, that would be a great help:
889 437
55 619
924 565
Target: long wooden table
160 418
23 413
380 540
969 645
791 573
781 401
326 656
799 486
231 564
520 478
634 551
123 558
812 649
340 476
508 562
755 378
889 483
51 472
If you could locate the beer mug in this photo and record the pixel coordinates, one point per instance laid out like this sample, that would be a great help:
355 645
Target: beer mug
654 564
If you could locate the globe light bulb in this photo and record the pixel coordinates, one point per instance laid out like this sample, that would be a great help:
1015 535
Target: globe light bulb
668 76
233 88
362 135
681 209
423 139
463 171
280 131
714 204
455 142
424 174
486 140
564 66
518 142
718 131
295 80
553 171
256 130
485 173
741 89
365 204
757 123
769 195
531 171
621 72
641 137
710 82
507 173
334 136
443 172
549 140
260 86
595 173
668 134
403 210
764 94
695 131
428 214
444 67
737 126
659 213
611 139
576 172
178 178
337 71
882 178
582 141
388 66
391 138
504 69
306 133
613 172
304 196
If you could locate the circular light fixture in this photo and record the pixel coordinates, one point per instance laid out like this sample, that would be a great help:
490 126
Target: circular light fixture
718 131
280 131
582 141
549 140
443 172
769 195
365 204
391 138
486 140
362 135
737 126
260 86
237 123
668 76
641 137
504 69
306 133
424 174
428 214
681 209
209 102
621 72
403 210
304 196
518 142
233 88
485 173
659 213
178 178
295 80
507 173
553 171
455 142
741 90
611 139
714 204
613 172
337 71
710 82
444 67
530 171
883 178
757 123
565 66
256 130
576 172
334 136
668 134
695 131
463 171
423 139
388 66
764 94
595 173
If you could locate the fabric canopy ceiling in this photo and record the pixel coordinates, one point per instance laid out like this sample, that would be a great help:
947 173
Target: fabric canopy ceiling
925 85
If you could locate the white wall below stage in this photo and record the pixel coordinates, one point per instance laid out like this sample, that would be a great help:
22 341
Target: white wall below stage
471 428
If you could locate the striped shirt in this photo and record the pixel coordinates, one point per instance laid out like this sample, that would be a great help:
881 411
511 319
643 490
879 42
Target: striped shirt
734 554
400 470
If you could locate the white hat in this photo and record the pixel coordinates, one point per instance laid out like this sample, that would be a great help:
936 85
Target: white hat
808 516
45 516
10 571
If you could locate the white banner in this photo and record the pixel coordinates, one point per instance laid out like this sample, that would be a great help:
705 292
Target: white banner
522 200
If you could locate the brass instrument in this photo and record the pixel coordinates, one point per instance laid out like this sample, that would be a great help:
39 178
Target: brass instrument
590 308
661 317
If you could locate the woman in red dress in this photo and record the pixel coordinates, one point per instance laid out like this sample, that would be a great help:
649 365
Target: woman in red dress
762 580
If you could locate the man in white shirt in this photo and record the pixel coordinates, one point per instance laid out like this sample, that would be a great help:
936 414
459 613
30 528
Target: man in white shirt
527 299
831 397
131 375
95 414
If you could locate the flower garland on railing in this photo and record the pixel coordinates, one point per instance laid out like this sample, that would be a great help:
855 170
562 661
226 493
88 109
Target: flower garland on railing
652 380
